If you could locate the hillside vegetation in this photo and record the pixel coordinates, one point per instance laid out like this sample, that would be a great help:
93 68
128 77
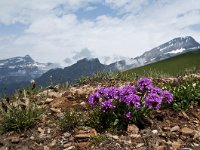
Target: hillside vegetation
178 65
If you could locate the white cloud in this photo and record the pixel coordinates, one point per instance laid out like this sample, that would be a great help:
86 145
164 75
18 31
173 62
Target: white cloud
54 38
127 6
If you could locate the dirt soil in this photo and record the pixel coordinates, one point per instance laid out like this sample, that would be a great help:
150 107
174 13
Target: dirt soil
166 129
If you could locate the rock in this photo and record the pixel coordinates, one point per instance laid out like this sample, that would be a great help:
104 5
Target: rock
43 93
83 103
195 144
48 100
46 148
139 145
155 131
48 131
176 145
54 94
4 148
160 148
67 145
32 137
15 140
67 134
175 128
70 148
196 114
61 102
135 136
58 110
53 143
197 136
166 128
83 145
84 135
133 129
41 130
187 131
115 137
185 115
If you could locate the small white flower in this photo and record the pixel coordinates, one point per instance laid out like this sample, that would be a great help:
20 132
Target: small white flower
194 84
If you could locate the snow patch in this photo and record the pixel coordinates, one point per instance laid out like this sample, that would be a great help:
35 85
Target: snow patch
176 51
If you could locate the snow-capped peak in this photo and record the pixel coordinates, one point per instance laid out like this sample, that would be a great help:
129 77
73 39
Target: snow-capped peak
22 68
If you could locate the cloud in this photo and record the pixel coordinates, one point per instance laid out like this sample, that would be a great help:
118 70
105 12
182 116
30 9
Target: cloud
84 53
28 11
68 60
128 6
54 32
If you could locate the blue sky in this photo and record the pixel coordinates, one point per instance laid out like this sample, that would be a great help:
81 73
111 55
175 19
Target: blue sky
64 31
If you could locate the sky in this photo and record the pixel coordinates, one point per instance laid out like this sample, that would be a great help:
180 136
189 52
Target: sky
64 31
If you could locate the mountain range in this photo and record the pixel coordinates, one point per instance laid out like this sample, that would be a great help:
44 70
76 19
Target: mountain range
18 71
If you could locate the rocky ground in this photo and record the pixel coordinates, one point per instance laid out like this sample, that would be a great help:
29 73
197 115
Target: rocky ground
166 129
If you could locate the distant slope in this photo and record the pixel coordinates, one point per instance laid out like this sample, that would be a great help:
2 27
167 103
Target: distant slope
176 65
169 49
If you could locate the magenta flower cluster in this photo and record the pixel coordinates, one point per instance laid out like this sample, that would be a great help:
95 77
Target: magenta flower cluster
145 95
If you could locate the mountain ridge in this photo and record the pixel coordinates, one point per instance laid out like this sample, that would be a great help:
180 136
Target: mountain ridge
45 75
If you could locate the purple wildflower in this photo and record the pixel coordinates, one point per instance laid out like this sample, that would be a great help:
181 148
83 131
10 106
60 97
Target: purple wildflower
132 100
153 100
107 105
144 84
167 96
100 90
128 116
157 90
128 89
93 99
109 93
114 93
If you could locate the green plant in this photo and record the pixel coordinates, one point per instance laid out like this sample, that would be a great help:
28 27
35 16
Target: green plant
97 139
71 120
19 119
186 93
83 80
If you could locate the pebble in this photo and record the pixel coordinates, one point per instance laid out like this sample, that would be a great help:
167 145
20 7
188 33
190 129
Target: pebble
155 131
139 145
4 148
67 134
115 137
175 128
197 135
46 148
67 145
70 148
15 140
133 129
53 143
187 131
55 110
48 100
135 136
